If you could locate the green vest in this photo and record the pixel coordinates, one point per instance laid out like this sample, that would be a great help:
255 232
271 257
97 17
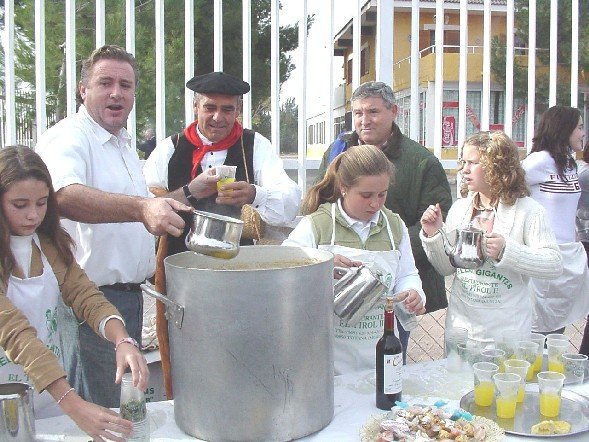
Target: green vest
378 238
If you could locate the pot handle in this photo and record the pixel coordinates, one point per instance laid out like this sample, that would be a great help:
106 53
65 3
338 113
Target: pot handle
174 311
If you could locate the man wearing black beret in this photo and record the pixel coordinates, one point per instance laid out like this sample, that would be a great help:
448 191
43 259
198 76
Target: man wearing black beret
217 138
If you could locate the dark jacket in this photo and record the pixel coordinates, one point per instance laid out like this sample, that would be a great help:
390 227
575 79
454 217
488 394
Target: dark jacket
419 180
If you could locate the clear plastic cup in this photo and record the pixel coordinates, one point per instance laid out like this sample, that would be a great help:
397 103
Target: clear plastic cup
226 175
574 367
507 385
494 355
407 319
484 389
454 336
520 368
550 386
527 351
133 408
556 348
508 342
540 339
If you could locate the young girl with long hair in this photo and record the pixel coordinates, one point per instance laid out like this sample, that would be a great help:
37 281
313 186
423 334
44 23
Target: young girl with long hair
346 216
37 266
518 243
551 174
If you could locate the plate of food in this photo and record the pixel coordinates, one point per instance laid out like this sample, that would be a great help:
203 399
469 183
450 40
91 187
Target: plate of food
417 423
573 417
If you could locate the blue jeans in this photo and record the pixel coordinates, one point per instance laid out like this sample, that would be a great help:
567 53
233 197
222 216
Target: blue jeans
89 359
404 338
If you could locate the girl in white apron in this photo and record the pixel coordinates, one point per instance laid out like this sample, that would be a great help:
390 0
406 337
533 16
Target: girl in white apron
518 242
37 266
346 216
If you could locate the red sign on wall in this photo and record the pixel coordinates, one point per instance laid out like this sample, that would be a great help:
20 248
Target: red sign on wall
449 131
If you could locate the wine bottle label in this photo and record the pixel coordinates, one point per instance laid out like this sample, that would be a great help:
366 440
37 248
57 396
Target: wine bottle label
392 373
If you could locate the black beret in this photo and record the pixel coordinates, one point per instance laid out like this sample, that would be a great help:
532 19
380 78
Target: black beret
218 83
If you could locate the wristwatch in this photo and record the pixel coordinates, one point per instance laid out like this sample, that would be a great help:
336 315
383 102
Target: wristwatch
127 341
189 196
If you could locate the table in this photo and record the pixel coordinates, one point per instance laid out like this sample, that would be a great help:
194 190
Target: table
354 396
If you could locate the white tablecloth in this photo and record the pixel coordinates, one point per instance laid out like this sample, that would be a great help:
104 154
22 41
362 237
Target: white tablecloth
423 383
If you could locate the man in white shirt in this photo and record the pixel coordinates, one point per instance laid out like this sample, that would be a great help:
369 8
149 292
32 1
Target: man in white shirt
107 209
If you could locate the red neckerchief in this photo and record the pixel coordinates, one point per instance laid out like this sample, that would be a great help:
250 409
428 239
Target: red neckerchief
200 149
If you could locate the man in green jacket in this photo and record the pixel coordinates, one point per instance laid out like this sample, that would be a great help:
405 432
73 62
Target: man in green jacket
420 179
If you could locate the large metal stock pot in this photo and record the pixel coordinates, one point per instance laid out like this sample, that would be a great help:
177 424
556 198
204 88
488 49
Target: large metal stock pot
251 343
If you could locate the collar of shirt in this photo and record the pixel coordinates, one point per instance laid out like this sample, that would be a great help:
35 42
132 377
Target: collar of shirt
123 138
204 139
362 228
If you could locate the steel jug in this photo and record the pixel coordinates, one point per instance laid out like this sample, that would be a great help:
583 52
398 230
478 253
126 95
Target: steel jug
17 420
358 291
467 253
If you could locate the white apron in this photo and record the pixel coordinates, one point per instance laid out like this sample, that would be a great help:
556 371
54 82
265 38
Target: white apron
487 300
560 302
354 347
37 299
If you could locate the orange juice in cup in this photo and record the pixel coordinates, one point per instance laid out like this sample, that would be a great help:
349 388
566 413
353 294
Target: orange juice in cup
226 175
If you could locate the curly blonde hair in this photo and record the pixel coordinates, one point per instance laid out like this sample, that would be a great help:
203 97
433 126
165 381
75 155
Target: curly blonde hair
500 160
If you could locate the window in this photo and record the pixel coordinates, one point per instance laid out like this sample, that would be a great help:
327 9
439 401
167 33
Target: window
364 61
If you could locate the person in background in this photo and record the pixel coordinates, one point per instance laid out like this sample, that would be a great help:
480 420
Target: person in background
518 241
420 179
105 205
346 216
551 174
582 221
37 267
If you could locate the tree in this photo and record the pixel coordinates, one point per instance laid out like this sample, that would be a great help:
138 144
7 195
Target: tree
498 50
289 112
145 49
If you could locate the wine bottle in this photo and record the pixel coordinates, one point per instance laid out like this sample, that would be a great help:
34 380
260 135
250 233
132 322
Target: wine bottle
389 361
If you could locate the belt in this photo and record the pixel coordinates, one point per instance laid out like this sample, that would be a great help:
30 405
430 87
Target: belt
123 287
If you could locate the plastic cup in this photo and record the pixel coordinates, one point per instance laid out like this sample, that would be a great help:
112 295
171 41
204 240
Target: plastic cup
527 351
507 385
508 342
550 386
574 367
556 348
452 337
494 355
226 175
520 368
540 339
484 389
464 354
556 337
133 408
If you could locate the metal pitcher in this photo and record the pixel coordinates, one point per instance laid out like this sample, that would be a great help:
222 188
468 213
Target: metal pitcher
467 253
17 421
358 291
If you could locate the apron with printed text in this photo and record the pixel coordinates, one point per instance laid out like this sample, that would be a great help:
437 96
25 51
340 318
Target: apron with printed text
37 299
561 301
487 300
354 347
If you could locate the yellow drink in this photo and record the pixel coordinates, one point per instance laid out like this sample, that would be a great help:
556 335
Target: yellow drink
538 363
224 181
520 393
530 373
549 404
505 407
556 365
484 393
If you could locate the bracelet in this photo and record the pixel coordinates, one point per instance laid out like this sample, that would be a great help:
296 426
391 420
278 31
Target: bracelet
126 341
64 395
